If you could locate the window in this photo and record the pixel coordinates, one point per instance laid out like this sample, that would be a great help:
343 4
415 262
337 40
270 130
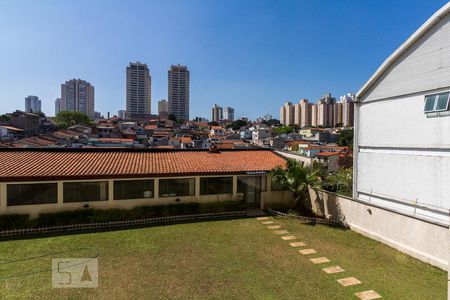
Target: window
85 191
36 193
176 187
436 102
133 189
216 185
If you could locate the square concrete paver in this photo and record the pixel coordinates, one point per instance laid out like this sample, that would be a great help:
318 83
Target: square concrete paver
281 231
368 295
267 222
333 270
297 244
289 238
307 251
274 227
319 260
262 218
348 281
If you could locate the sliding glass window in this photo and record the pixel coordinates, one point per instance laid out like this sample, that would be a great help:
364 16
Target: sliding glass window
176 187
85 191
216 185
133 189
34 193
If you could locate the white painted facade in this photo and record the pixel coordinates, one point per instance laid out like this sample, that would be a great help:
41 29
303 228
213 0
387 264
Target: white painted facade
402 155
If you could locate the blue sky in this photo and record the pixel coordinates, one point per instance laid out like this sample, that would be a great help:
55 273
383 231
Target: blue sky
249 54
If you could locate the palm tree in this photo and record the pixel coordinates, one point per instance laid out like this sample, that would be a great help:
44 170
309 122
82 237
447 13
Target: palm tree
298 178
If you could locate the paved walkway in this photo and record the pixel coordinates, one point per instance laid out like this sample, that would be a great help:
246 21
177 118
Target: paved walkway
305 250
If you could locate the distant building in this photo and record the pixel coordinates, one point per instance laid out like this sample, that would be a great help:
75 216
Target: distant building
228 113
77 95
348 109
163 109
122 114
138 94
32 104
178 91
57 106
216 113
287 114
28 122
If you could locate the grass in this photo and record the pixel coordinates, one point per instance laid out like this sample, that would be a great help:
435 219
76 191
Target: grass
234 259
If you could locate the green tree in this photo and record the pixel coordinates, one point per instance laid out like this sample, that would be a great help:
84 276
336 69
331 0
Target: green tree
4 118
346 138
298 178
283 129
173 118
213 123
236 125
340 181
66 119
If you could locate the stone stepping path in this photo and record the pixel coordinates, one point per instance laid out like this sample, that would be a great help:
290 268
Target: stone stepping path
307 251
297 244
267 222
319 260
274 227
288 237
368 295
333 270
281 231
348 281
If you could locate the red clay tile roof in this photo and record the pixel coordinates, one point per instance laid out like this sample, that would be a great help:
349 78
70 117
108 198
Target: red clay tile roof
16 165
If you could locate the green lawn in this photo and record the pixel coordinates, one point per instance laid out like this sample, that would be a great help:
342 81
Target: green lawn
235 259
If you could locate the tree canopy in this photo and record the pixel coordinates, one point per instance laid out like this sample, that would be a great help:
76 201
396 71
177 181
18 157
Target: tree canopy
236 125
346 138
66 119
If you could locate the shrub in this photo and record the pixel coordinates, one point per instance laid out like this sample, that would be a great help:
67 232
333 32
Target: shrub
13 221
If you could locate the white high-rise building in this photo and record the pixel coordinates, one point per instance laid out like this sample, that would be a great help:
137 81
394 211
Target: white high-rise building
348 108
228 113
32 104
138 91
178 91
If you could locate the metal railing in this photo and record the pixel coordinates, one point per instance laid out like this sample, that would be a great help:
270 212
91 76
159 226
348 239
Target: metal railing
127 223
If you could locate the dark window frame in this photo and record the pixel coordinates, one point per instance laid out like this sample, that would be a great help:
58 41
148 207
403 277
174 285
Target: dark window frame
208 186
163 190
134 186
82 191
50 194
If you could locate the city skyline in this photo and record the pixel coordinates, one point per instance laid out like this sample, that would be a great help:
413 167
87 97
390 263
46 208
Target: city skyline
254 60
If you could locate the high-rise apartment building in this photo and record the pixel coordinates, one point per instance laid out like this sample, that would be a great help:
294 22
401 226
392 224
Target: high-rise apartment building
216 113
348 104
302 113
287 112
178 91
32 104
228 113
163 109
314 115
138 92
57 106
122 114
77 95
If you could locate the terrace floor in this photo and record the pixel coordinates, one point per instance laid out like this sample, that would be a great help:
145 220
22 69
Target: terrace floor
234 259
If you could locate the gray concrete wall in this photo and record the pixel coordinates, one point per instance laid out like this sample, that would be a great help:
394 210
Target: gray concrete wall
426 241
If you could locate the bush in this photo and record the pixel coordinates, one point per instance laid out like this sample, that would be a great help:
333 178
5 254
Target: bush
14 221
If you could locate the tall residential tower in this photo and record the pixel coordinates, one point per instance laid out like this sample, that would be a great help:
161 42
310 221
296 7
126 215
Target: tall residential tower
178 90
77 95
138 91
32 104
